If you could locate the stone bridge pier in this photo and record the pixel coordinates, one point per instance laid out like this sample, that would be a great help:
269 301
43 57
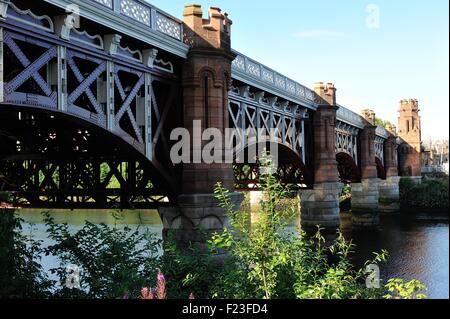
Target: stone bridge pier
320 205
365 195
389 191
206 80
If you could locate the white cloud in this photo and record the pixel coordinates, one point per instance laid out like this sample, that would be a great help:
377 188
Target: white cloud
318 34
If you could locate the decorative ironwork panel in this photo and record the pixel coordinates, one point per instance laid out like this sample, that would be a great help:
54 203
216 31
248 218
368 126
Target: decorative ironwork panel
168 26
382 132
296 92
84 183
84 74
347 140
267 75
280 81
107 3
253 68
345 115
26 61
128 83
290 86
379 148
251 114
146 14
239 63
135 11
247 176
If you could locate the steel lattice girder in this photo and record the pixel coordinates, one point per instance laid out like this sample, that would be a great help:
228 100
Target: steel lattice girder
89 183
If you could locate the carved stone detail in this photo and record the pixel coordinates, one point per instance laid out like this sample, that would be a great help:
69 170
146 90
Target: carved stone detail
112 43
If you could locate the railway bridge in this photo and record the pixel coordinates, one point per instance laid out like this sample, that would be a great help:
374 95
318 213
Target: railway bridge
91 91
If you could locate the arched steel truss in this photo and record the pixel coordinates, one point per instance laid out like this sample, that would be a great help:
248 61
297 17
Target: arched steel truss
256 113
94 80
250 110
379 148
348 169
347 140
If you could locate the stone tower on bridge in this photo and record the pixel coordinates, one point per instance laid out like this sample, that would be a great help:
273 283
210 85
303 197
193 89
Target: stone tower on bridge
409 131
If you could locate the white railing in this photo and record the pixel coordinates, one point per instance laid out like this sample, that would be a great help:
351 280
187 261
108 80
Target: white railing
345 115
146 14
267 79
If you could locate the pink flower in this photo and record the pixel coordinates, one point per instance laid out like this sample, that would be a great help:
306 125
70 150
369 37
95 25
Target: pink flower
126 296
144 293
191 296
161 276
161 286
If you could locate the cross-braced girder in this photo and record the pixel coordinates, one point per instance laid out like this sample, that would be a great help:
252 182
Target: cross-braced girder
84 183
53 162
347 140
102 89
256 114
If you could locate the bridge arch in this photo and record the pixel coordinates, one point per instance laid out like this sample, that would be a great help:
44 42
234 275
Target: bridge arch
381 171
56 159
290 171
348 169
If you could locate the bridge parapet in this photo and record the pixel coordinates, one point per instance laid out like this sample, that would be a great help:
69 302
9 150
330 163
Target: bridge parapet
144 13
258 75
350 117
135 18
382 132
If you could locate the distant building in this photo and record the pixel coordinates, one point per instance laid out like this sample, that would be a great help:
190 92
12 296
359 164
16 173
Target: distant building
409 132
435 156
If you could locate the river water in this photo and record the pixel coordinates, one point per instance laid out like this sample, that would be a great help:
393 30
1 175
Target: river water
418 244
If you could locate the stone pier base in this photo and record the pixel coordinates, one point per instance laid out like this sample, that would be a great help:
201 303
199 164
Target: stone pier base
389 201
195 219
320 206
365 198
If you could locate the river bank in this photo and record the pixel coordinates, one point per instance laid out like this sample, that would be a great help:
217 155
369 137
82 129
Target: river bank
417 242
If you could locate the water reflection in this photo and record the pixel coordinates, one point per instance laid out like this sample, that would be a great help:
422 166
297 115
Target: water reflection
418 249
418 245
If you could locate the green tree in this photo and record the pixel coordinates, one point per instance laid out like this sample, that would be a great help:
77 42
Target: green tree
382 123
21 275
112 261
267 261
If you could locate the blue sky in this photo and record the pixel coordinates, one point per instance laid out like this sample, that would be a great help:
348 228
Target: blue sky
406 56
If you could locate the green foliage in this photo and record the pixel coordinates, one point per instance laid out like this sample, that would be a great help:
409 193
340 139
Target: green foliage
266 261
21 273
188 271
112 262
5 197
382 123
399 289
432 193
345 198
346 191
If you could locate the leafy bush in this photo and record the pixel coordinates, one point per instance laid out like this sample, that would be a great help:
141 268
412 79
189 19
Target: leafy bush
112 262
268 262
345 199
21 273
263 261
188 271
398 289
432 193
5 198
